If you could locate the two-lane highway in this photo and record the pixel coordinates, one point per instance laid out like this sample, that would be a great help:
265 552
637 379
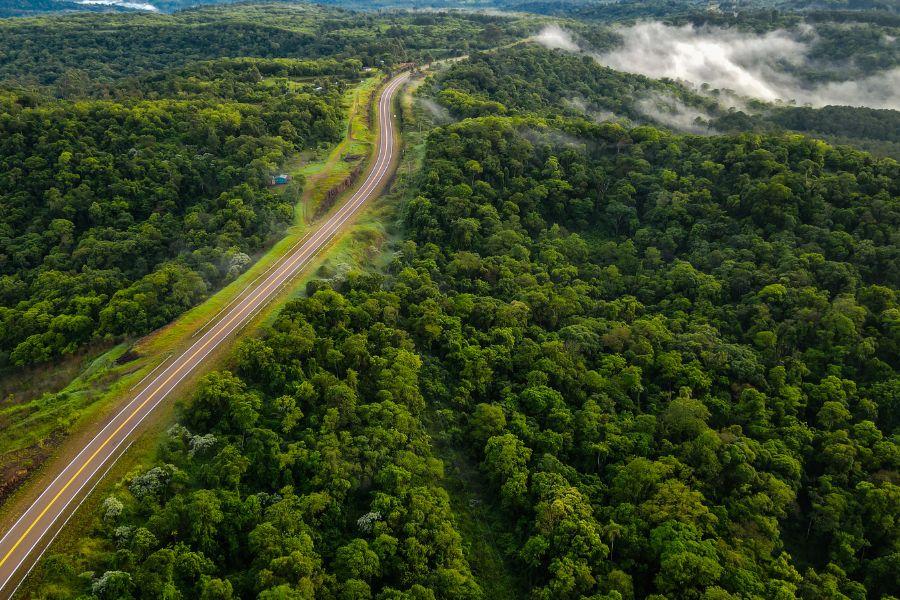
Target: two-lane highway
23 543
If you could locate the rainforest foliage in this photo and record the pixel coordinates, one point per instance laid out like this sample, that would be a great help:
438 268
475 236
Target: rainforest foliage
531 79
667 364
135 151
306 473
642 331
86 53
673 359
116 216
872 129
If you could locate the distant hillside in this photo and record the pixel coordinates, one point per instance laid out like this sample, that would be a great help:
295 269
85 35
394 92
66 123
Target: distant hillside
532 79
593 10
26 8
78 53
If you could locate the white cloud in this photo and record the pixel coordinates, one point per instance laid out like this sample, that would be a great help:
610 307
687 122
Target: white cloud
440 114
553 36
124 4
674 113
881 90
597 115
749 64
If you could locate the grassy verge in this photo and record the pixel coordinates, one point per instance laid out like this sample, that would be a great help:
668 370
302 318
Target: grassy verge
41 417
40 403
320 174
363 247
359 247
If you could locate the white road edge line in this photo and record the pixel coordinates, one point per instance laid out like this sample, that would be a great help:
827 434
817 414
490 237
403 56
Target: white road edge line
156 368
283 273
66 522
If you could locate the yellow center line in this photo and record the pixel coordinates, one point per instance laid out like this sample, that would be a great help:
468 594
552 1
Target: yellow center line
90 459
117 430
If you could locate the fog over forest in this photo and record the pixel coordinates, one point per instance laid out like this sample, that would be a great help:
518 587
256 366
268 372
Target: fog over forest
753 65
146 6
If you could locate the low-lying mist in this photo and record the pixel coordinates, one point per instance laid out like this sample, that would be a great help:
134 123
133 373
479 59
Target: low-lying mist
751 65
123 3
554 36
674 113
439 114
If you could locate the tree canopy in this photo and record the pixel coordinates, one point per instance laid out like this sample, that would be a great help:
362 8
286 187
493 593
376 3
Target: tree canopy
664 365
115 216
673 358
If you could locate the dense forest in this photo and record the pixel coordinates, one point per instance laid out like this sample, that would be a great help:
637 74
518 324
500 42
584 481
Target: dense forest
99 49
652 365
145 188
673 359
26 8
528 78
307 473
532 79
116 216
590 9
593 10
876 130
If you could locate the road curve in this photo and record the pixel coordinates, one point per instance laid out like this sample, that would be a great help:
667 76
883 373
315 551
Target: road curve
22 545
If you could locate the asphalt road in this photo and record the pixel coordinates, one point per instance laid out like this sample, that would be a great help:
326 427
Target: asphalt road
23 544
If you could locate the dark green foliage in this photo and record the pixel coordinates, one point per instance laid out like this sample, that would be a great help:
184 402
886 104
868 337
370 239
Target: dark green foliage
673 360
308 476
692 337
98 197
607 11
842 120
90 51
866 43
532 79
875 130
760 14
673 357
25 8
